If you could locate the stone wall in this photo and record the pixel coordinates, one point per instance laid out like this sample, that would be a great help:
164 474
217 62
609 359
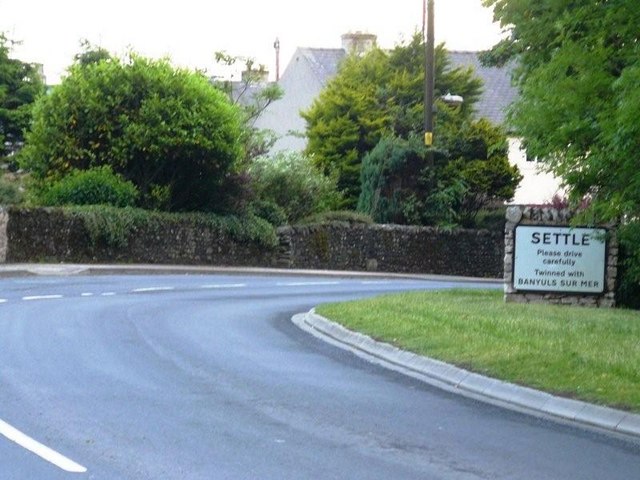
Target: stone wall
542 216
48 235
393 248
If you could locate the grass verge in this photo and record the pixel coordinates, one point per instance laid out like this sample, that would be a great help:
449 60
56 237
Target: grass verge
587 354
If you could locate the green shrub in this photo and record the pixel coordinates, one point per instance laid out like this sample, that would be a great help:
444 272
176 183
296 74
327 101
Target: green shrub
290 181
628 291
166 129
270 211
10 193
96 186
347 216
488 219
114 226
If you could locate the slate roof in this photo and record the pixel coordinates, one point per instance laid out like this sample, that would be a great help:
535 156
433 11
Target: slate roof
497 94
311 68
324 62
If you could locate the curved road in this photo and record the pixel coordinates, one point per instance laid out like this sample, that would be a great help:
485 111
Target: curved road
205 377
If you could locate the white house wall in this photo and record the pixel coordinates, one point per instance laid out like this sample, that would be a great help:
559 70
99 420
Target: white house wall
537 187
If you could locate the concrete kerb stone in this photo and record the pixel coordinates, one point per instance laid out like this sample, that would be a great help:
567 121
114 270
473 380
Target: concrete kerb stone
455 379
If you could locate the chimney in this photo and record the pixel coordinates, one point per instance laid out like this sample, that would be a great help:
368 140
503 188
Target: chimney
358 43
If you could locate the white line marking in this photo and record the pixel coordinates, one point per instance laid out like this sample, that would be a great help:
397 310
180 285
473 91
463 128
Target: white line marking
225 285
152 289
375 282
107 294
3 300
40 297
305 284
39 449
86 294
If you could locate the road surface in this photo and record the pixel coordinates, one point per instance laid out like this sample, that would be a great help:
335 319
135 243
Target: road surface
205 377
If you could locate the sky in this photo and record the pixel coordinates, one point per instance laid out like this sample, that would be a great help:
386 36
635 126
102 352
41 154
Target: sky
189 32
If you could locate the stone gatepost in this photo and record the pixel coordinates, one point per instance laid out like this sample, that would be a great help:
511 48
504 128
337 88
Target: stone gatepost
548 261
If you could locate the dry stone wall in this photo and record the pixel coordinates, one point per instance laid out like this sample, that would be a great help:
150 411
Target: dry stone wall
47 235
394 248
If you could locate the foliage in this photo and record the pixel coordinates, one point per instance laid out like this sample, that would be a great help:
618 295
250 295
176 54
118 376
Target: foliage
91 54
95 186
628 292
291 181
480 160
379 94
114 226
269 211
472 172
10 193
20 85
579 79
252 95
167 130
344 216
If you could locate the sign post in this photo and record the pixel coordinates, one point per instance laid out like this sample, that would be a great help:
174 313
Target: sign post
548 261
559 259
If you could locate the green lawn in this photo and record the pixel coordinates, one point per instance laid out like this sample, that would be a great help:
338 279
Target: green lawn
583 353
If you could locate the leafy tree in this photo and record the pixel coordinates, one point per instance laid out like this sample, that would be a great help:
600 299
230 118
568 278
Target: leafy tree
380 94
579 80
398 185
166 130
20 84
91 54
252 95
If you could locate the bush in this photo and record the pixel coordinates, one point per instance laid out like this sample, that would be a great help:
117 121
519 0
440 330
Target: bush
167 130
96 186
347 216
290 181
628 292
10 193
269 211
114 226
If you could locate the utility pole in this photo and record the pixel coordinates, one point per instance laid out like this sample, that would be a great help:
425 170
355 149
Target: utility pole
429 80
276 46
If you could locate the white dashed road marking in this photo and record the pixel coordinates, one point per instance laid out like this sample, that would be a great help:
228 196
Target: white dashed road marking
40 297
152 289
305 284
225 285
39 449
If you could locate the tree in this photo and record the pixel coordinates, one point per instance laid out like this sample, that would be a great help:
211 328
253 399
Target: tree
20 84
471 172
167 130
579 81
379 94
252 95
91 54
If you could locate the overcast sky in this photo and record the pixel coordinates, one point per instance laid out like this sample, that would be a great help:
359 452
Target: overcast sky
190 31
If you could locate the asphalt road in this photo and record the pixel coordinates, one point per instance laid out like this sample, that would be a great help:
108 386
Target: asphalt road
205 377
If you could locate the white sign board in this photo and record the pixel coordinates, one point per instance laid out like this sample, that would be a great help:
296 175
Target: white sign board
559 259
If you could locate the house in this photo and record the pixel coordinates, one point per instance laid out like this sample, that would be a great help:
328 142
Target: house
311 68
